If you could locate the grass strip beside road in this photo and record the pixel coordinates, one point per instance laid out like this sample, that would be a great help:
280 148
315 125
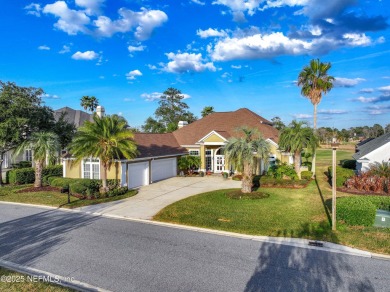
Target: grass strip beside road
52 198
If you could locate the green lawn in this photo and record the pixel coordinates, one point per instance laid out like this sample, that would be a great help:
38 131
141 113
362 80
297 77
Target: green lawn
24 285
51 198
303 213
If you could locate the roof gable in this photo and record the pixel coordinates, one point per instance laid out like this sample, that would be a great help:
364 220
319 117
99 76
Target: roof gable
225 124
212 137
372 145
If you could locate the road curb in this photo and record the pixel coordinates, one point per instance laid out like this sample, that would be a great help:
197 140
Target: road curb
52 278
295 242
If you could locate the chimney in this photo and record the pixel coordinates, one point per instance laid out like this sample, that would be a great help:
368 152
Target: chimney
100 111
182 124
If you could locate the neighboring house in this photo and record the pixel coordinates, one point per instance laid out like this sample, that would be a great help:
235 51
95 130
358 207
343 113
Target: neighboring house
72 116
376 150
159 152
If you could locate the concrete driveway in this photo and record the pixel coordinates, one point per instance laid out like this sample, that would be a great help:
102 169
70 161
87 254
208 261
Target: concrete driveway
152 198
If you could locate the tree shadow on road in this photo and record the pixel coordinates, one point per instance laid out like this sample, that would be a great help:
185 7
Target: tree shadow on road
25 239
284 268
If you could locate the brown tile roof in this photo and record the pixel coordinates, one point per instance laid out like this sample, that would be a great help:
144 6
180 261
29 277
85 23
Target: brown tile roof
72 116
151 145
225 123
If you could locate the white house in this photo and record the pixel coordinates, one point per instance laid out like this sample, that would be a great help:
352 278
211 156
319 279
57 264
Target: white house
376 150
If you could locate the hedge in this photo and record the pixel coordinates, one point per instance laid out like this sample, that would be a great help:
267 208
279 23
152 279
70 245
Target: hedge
93 185
349 163
342 174
269 181
361 210
27 175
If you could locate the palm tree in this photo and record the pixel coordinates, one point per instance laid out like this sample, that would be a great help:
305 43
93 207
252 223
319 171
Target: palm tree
43 145
241 151
296 137
315 80
207 110
106 138
89 103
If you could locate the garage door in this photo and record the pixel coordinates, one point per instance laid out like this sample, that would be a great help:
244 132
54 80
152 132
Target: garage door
163 168
138 174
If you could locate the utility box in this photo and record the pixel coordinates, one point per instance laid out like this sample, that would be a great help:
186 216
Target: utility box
382 219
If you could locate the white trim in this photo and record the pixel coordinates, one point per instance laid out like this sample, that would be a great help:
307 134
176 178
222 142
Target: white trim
214 143
91 169
63 169
272 142
213 132
190 146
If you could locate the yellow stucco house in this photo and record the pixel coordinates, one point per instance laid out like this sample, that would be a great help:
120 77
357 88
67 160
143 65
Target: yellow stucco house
158 156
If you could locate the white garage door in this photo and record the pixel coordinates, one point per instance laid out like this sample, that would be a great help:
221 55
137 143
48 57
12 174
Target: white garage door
138 174
163 168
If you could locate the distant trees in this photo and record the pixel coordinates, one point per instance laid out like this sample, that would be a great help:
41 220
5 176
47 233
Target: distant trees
89 103
325 134
170 111
278 123
207 110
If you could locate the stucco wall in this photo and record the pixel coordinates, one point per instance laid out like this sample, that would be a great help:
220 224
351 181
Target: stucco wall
214 138
73 170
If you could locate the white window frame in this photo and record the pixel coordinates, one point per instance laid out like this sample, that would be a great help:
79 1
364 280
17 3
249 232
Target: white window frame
211 158
94 164
28 155
193 152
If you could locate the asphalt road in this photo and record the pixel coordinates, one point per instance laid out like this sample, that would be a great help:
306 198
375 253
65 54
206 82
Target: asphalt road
128 256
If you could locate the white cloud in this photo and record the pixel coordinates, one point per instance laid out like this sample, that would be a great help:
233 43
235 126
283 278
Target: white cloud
70 21
258 46
44 48
136 49
236 67
65 49
366 90
152 67
50 96
355 39
280 3
34 9
249 6
92 7
187 62
365 99
198 2
385 89
210 32
151 96
332 112
133 74
347 82
87 55
144 23
302 116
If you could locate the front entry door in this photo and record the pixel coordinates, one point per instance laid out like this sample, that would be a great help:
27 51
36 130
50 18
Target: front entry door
219 163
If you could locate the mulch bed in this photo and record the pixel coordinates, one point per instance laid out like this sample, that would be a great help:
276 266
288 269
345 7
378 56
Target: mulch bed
41 189
362 193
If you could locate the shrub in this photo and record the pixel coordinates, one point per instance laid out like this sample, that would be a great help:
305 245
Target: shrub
21 176
361 210
342 174
23 164
117 192
269 181
281 171
189 163
349 163
307 175
255 181
368 183
237 177
55 170
308 164
78 188
380 169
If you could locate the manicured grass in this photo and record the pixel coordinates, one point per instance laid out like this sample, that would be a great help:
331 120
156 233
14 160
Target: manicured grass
51 198
24 285
303 213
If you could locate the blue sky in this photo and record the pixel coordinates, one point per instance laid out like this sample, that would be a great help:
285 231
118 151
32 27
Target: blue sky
223 53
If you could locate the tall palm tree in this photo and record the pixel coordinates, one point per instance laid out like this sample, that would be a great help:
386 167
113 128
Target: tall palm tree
296 137
106 138
43 145
241 151
315 81
89 103
207 110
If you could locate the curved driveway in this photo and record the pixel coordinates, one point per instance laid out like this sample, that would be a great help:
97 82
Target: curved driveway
152 198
